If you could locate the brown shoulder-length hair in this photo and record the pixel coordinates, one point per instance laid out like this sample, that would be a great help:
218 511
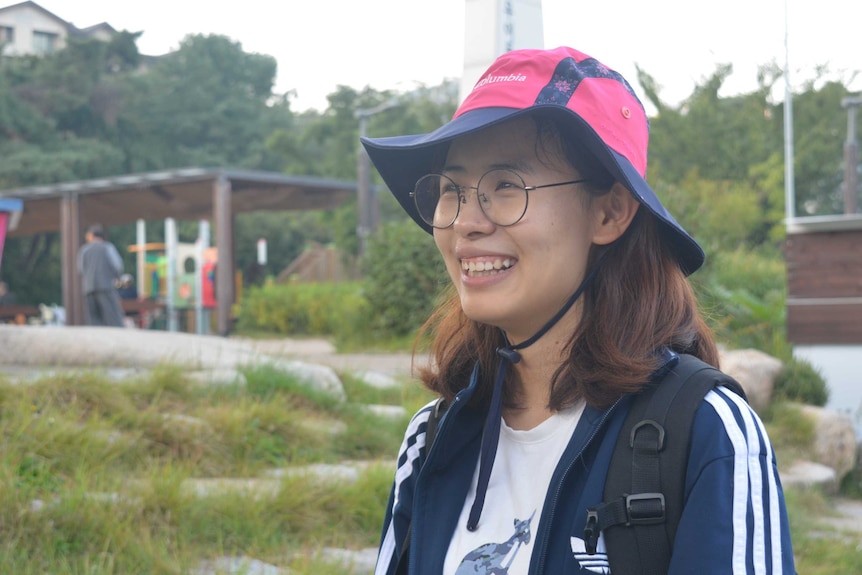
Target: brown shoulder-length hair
638 302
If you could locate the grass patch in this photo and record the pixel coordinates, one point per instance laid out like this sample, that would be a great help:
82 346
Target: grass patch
95 474
820 549
791 433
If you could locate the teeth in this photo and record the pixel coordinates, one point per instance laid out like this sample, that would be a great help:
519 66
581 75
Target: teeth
487 265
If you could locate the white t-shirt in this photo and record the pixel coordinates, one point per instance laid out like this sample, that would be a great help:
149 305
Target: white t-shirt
525 462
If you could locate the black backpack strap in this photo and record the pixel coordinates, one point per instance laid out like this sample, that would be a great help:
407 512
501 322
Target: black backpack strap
430 433
644 489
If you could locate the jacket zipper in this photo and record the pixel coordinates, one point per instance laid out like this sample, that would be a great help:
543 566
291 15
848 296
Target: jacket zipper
559 488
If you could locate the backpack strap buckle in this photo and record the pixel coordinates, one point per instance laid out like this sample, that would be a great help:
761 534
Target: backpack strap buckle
591 532
645 508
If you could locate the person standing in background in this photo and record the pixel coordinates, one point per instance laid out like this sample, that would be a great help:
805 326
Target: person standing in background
100 266
7 297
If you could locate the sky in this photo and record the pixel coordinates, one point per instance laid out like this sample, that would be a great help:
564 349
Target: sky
399 44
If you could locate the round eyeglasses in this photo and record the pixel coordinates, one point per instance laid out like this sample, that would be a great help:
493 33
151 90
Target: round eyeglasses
502 194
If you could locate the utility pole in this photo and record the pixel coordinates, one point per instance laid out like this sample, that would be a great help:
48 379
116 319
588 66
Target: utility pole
367 201
851 156
789 172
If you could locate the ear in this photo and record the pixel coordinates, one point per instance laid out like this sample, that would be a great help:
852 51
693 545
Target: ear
614 212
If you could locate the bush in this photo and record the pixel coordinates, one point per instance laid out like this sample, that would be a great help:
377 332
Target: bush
404 275
743 295
329 309
801 381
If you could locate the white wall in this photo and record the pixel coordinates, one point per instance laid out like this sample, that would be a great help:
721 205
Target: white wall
841 367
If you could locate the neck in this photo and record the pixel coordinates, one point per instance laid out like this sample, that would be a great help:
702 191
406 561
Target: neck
535 372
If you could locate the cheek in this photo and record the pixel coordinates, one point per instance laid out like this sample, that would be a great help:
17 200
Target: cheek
443 240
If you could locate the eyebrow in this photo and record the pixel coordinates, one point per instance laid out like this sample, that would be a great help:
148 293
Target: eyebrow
515 165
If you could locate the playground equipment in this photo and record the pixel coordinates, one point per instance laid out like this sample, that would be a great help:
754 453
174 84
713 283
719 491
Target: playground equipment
153 283
181 276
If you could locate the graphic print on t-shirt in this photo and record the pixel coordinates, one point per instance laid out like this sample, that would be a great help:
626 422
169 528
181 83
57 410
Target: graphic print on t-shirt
495 558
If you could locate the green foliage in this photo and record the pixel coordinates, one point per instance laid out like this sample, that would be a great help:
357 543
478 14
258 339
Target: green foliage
788 427
336 309
801 381
743 296
207 104
404 276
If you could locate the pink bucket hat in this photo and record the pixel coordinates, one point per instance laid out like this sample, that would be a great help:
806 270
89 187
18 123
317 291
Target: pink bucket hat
590 99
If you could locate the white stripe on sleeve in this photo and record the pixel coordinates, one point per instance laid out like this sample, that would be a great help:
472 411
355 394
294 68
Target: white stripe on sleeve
755 433
740 479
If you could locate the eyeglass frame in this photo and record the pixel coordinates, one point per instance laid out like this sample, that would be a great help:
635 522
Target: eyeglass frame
462 196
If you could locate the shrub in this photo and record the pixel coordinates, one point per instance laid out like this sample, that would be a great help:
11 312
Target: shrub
336 309
801 381
404 274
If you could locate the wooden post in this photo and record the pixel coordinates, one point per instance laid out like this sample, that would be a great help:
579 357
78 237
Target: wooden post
70 239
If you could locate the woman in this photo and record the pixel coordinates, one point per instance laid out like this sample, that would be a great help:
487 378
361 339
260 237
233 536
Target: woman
570 295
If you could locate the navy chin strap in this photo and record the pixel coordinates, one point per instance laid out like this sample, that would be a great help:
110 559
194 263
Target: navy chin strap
491 432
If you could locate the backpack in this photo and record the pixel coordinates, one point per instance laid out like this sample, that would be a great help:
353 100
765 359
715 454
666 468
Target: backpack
644 489
645 485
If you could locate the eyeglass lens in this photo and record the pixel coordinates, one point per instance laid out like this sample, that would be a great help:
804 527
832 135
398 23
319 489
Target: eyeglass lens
501 195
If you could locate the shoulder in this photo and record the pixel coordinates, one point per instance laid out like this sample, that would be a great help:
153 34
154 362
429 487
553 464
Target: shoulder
725 425
734 516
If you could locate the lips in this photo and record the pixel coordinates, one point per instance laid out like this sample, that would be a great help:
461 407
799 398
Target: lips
477 267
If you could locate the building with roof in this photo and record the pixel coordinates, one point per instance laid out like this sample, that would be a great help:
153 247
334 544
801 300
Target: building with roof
26 28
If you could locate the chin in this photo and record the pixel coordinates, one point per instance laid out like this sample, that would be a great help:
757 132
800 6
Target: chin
486 315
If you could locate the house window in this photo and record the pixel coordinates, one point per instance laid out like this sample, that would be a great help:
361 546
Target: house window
7 35
44 42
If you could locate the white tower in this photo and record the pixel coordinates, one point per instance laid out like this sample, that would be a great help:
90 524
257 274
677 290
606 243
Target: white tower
493 27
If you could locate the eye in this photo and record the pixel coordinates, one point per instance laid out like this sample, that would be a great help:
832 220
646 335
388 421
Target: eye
502 183
508 187
449 189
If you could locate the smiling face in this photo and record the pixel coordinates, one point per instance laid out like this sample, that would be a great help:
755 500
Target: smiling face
518 277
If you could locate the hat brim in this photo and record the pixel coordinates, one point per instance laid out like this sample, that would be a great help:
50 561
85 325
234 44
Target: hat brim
402 160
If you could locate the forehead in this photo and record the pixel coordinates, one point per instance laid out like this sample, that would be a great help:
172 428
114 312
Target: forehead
515 142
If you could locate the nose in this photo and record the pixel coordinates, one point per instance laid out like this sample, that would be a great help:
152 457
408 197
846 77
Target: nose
471 218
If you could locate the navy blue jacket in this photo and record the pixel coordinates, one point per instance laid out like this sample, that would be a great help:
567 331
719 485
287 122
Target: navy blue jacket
734 520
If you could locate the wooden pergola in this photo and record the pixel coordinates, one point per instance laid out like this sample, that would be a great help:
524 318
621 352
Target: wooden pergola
212 194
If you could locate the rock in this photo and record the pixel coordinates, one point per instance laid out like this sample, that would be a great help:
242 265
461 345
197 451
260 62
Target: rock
807 474
224 376
387 411
834 439
378 380
107 347
357 562
330 427
251 487
346 472
237 566
755 371
320 377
